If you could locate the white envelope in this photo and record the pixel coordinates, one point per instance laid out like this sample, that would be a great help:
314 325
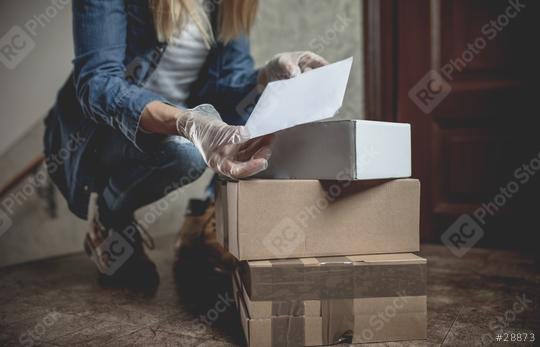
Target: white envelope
309 97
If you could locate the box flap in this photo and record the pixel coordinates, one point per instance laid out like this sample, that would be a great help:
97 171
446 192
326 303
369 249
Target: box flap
388 258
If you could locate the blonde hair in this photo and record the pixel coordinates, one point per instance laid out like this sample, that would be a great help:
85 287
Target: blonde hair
235 17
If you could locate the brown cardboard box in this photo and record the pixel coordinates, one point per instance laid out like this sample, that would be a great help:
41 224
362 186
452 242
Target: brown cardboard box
273 219
375 317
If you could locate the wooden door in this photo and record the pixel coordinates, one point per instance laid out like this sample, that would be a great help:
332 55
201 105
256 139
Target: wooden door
464 74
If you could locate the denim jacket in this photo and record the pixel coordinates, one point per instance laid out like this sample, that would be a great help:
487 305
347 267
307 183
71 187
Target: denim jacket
116 50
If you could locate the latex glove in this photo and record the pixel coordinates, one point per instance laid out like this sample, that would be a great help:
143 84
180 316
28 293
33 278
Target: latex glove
225 148
288 65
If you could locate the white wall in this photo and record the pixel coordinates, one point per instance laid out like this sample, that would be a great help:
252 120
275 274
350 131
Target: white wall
28 89
331 28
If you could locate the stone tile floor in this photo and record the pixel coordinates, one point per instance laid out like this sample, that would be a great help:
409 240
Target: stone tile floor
58 302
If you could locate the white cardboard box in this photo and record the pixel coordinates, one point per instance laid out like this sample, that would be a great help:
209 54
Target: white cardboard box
342 150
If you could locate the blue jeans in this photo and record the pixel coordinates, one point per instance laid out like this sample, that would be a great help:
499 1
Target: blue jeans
131 178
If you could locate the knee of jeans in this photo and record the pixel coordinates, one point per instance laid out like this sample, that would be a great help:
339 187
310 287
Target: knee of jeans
181 159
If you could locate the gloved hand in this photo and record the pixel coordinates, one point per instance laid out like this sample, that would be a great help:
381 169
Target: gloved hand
225 148
288 65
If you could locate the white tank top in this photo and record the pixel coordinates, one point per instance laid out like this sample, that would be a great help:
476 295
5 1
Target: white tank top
180 65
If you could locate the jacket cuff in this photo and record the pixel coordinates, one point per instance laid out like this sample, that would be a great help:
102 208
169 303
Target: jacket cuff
132 105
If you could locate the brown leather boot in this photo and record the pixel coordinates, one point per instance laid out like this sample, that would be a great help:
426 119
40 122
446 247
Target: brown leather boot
197 246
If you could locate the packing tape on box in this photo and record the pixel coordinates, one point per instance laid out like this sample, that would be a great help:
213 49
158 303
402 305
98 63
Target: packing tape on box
260 309
338 281
337 320
288 308
283 330
293 331
331 278
288 331
335 325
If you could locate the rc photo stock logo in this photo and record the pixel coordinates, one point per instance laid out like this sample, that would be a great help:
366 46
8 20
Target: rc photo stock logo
284 238
462 235
430 91
15 45
111 254
5 222
18 42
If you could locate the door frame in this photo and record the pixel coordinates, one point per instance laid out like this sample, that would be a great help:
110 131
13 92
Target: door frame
382 89
380 59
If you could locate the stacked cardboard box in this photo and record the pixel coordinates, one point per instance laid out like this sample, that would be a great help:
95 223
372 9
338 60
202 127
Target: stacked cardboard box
326 238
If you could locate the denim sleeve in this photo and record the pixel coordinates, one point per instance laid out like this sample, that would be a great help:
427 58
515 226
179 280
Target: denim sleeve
238 74
230 84
100 38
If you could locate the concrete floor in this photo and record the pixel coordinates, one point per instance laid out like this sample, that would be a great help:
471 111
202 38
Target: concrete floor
57 302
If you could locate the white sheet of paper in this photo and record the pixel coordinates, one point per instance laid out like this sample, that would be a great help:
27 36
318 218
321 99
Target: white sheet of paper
309 97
